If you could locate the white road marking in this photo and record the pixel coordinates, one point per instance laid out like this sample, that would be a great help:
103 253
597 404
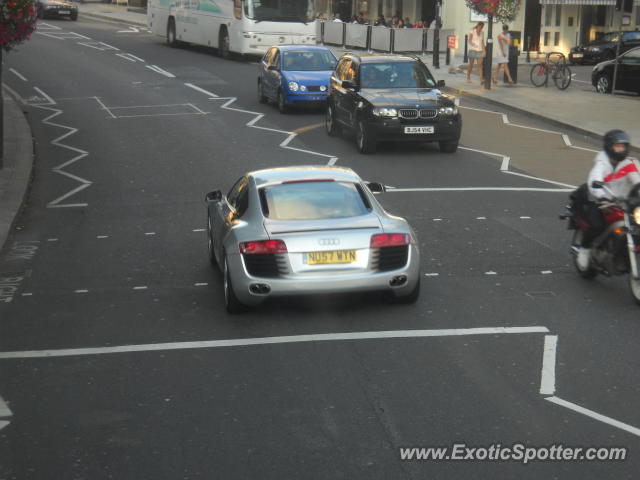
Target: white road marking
244 342
104 107
571 187
431 274
437 219
548 375
142 287
15 94
102 236
150 233
81 291
597 416
546 272
52 239
491 273
103 47
159 70
27 294
17 74
125 56
525 218
481 218
58 142
482 189
198 230
201 90
203 284
4 412
132 29
506 121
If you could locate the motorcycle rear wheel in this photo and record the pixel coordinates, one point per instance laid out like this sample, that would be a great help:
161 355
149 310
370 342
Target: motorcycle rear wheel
586 273
634 285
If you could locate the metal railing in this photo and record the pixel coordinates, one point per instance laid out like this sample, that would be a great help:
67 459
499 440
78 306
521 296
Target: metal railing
380 39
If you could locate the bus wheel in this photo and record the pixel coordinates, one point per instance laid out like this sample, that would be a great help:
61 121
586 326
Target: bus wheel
172 40
223 43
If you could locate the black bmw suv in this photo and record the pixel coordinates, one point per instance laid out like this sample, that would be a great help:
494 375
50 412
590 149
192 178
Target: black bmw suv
390 98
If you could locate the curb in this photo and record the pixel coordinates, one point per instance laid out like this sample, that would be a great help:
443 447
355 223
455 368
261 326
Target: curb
112 19
18 166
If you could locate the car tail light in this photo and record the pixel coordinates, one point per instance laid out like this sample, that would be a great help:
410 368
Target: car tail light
390 240
262 247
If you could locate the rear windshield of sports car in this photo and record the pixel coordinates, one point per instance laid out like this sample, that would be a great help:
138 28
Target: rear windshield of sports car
313 200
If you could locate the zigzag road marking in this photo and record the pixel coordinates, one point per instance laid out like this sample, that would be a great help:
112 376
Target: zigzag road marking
79 154
4 412
290 135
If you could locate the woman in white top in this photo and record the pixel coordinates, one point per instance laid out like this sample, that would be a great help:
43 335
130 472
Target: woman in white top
476 50
502 54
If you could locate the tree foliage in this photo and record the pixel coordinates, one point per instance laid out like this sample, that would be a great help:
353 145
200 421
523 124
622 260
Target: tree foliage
17 22
502 10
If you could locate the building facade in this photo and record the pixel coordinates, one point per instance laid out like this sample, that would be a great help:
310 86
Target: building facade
541 25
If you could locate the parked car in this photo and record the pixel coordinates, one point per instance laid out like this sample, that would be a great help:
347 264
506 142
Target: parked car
57 9
628 77
604 48
308 230
390 98
295 75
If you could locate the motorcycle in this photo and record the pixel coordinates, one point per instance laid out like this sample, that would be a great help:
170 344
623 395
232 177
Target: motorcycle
615 251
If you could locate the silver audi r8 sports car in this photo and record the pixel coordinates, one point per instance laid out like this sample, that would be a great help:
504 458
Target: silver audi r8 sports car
308 230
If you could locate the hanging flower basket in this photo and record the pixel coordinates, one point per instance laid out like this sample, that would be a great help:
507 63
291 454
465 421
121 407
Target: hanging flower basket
502 10
17 22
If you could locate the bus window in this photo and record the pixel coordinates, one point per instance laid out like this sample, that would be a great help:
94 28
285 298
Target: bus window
237 9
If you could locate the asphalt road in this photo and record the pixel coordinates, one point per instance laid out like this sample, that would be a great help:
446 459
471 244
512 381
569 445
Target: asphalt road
112 355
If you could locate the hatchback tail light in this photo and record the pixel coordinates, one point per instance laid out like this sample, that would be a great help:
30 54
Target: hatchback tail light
263 247
390 240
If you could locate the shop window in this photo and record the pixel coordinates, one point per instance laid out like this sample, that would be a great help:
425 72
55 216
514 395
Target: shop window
546 39
558 15
556 39
570 22
548 10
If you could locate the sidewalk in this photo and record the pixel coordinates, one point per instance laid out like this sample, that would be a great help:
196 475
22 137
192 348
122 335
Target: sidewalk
17 165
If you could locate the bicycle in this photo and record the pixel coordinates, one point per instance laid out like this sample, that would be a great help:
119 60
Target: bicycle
555 64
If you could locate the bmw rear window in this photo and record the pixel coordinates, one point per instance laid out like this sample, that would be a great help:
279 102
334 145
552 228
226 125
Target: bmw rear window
313 200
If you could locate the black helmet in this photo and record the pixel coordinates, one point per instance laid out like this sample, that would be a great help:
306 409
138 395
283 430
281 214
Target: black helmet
613 137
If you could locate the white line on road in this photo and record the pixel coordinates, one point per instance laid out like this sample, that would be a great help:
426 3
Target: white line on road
4 409
143 287
597 416
481 189
202 284
548 375
243 342
159 70
49 99
17 74
546 272
201 90
198 230
431 274
81 291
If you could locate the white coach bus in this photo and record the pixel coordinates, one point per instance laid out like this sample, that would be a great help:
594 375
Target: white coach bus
240 26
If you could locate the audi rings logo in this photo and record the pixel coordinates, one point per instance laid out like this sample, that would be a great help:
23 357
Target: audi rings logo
326 242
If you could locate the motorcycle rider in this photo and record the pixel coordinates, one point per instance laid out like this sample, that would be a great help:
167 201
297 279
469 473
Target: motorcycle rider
620 172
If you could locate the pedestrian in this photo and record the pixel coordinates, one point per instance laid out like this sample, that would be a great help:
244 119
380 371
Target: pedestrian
418 24
400 24
380 22
502 55
336 17
476 49
407 23
432 25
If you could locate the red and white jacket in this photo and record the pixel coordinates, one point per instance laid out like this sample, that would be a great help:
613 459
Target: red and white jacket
619 179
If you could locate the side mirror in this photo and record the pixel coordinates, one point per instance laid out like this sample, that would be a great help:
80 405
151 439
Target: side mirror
596 184
375 187
440 83
272 67
214 196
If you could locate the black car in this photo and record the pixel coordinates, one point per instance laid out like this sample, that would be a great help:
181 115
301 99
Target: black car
628 77
390 98
604 48
57 9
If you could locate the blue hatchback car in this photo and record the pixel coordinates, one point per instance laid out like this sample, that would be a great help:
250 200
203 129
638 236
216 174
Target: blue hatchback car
295 75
